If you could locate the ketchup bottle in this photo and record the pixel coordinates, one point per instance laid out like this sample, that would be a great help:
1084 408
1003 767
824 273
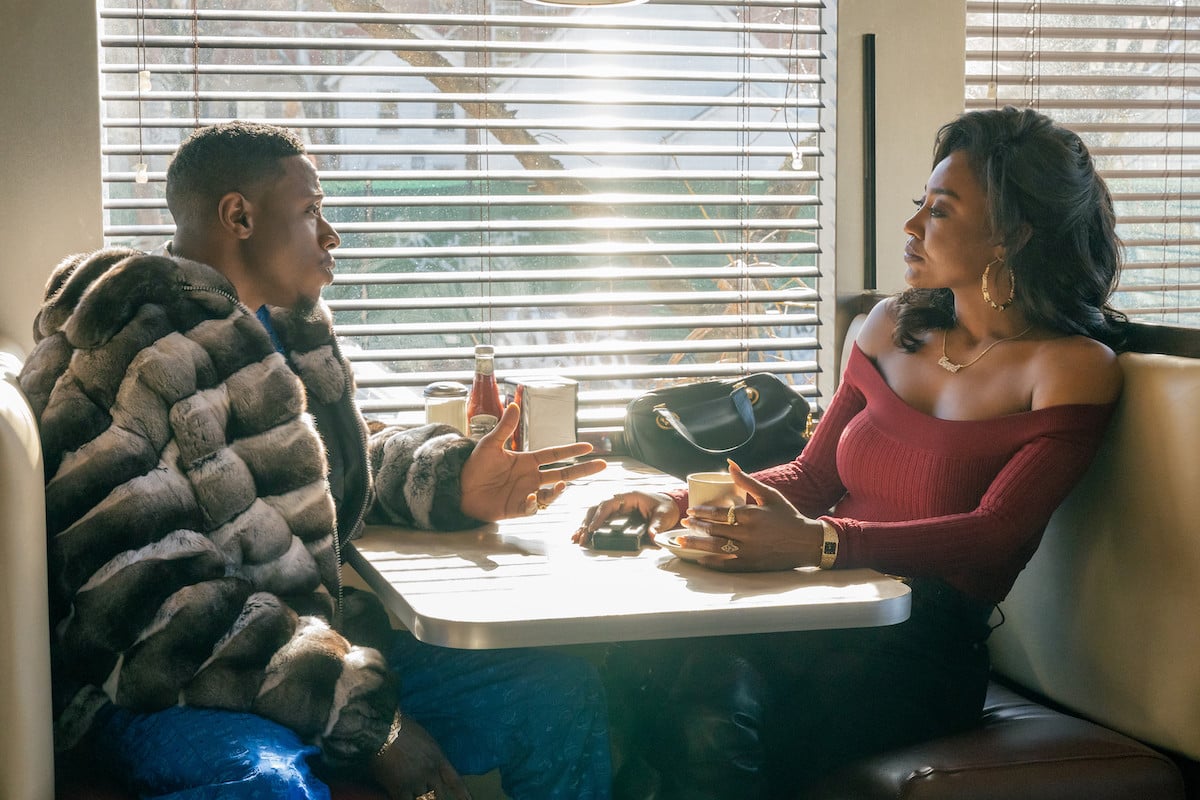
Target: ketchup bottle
483 406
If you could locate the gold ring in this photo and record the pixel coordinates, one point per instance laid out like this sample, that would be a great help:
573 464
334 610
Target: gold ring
729 546
430 795
731 516
541 507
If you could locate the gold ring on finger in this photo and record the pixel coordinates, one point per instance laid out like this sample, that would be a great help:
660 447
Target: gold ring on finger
430 795
731 516
729 546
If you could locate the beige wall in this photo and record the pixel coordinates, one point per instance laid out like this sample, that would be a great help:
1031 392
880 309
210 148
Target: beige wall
49 148
50 164
919 86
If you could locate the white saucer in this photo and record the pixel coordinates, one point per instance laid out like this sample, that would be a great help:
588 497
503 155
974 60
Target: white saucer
667 541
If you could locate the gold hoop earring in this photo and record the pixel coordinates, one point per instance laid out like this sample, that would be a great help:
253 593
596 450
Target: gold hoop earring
1012 285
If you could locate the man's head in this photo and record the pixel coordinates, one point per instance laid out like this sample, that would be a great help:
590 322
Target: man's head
231 157
247 201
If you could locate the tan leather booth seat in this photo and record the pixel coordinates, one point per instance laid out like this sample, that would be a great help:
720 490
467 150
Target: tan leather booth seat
1098 659
26 749
1022 750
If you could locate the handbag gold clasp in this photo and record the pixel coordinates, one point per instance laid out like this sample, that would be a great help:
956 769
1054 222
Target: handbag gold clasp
751 392
658 418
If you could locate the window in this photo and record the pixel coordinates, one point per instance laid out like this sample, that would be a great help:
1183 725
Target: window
621 196
1124 76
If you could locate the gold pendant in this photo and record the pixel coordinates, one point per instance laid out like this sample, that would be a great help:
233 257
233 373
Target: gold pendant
949 365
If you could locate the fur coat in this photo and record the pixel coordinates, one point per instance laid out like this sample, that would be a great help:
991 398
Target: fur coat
199 488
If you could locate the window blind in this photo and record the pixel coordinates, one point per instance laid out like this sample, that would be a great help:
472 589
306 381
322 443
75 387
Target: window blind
1123 75
625 197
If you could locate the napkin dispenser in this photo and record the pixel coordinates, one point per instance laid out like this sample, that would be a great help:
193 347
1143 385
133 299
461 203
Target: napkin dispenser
548 410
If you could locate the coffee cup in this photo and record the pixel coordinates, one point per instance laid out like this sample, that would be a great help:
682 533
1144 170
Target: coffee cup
713 489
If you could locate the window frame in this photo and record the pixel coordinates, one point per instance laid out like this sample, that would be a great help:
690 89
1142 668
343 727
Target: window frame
823 209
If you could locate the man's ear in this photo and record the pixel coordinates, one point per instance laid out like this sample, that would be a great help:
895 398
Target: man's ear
234 215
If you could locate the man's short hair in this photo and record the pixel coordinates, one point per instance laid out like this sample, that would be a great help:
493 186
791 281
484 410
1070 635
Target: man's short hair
229 157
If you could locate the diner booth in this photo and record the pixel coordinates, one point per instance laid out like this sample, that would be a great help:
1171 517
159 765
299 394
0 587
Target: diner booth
1096 690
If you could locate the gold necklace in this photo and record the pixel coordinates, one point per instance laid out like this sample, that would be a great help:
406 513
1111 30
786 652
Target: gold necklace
945 363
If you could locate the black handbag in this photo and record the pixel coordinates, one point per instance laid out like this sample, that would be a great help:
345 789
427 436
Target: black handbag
757 420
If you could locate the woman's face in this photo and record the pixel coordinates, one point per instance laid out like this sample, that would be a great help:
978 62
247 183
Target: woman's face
950 240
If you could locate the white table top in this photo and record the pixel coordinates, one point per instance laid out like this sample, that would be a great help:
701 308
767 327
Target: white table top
522 582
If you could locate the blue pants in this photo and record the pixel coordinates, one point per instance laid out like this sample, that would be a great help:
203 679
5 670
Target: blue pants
537 716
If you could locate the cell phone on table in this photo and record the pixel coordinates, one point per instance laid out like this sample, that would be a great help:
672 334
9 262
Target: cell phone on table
624 531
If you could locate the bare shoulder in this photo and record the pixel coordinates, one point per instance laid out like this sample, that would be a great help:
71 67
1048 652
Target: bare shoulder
1075 369
875 336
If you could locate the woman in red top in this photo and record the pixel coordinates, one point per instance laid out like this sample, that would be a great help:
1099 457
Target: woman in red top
971 404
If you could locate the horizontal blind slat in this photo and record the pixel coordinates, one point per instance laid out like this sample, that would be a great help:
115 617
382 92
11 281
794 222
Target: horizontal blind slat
260 43
601 372
1118 10
590 299
601 324
463 73
493 201
605 274
624 349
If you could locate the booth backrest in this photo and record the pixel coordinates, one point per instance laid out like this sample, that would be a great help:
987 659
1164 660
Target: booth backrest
26 747
1105 620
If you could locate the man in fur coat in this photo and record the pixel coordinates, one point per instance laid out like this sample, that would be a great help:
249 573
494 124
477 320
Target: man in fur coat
205 465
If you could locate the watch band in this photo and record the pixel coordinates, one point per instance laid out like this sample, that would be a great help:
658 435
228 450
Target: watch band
829 544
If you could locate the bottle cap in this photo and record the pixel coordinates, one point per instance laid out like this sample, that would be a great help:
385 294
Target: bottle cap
484 350
445 389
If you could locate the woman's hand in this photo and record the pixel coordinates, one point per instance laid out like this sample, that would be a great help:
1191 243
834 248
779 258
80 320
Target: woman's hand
498 483
659 510
772 535
413 765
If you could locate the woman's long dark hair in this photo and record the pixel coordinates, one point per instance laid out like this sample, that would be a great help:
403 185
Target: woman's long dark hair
1050 210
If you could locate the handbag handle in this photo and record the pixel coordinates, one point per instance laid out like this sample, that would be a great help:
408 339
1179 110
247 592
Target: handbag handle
741 403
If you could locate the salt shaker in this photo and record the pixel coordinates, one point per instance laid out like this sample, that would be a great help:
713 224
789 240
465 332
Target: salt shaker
446 402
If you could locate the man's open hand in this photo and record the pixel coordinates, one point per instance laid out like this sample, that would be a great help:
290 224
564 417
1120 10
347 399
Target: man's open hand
498 483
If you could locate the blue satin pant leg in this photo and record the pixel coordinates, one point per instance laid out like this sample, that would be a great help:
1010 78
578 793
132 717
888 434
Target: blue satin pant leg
537 715
205 754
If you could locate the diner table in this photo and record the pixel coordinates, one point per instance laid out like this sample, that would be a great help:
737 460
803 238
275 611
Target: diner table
523 582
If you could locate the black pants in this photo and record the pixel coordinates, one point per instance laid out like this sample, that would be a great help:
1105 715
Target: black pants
760 716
